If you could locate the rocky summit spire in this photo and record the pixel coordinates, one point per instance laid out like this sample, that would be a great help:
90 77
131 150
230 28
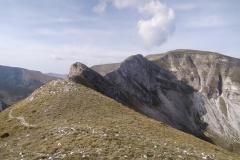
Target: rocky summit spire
81 74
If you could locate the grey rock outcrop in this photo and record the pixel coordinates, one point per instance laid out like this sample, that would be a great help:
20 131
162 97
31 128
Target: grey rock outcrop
105 68
159 95
80 73
142 85
194 91
217 78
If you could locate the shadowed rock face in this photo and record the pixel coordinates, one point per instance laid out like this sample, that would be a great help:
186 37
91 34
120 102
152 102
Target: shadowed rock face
80 73
2 106
142 85
193 91
17 83
159 95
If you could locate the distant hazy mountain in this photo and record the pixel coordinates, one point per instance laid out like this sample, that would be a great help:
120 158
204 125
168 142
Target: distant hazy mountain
194 91
17 83
62 76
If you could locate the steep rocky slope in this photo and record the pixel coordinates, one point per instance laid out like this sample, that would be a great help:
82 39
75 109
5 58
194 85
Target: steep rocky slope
217 78
158 94
193 91
17 83
65 120
80 73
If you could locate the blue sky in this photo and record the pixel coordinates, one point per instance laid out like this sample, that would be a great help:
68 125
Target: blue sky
50 35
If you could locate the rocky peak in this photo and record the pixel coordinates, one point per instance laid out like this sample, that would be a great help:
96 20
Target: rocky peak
103 69
132 66
78 73
81 74
140 69
134 62
137 57
77 69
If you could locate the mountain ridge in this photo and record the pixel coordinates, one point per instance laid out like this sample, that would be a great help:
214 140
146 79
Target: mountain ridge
17 83
145 76
80 117
214 98
66 120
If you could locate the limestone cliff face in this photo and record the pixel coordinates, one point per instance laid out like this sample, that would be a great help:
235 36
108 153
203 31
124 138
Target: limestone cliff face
193 91
159 95
210 73
155 92
217 79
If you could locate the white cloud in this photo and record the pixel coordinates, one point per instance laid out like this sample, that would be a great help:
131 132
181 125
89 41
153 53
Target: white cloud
100 8
57 58
119 4
125 3
156 30
207 22
154 6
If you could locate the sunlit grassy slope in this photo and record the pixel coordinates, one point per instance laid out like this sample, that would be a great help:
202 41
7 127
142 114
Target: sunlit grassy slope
64 120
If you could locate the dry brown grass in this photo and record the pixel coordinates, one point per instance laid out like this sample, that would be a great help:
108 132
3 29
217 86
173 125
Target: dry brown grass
74 122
